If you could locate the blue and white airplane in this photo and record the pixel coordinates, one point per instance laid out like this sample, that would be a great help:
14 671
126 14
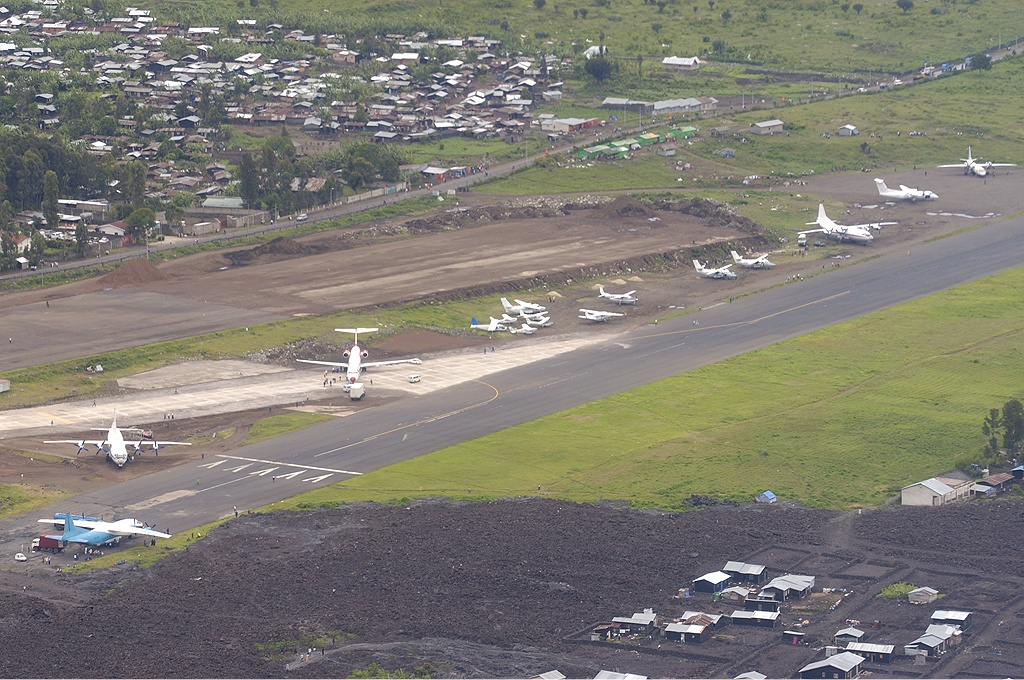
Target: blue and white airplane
98 532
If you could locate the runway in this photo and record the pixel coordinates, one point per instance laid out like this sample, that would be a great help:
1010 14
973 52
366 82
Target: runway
201 491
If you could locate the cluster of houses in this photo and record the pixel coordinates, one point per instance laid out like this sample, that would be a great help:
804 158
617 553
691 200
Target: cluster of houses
956 485
622 148
748 584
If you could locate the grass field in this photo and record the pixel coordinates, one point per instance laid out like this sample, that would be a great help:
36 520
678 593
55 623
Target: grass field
275 426
801 34
148 555
905 402
18 498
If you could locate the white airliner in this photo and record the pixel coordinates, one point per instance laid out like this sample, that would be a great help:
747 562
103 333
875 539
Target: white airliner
760 262
904 193
720 273
618 298
521 307
854 233
974 166
354 366
597 315
98 532
118 451
493 326
525 329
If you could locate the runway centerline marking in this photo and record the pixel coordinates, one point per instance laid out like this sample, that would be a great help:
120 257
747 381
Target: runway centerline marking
697 329
292 465
418 422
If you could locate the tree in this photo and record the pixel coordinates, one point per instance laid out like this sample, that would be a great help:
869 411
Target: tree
845 7
905 5
248 180
718 46
858 7
598 68
1013 426
539 4
81 236
711 4
140 222
656 27
661 6
359 172
134 182
991 428
583 12
726 15
981 62
51 192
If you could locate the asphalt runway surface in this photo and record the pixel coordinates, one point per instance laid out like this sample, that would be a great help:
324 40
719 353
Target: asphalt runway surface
201 491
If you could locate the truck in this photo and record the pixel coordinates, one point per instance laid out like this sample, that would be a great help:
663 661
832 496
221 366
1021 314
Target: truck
356 391
47 544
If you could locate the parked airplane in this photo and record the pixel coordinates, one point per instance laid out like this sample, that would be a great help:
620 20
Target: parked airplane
973 166
854 233
618 298
525 329
520 307
720 273
118 451
904 193
494 325
596 315
98 532
536 319
760 262
354 366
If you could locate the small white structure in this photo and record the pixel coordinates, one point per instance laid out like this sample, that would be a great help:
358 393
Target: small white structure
848 131
682 63
767 127
923 595
934 492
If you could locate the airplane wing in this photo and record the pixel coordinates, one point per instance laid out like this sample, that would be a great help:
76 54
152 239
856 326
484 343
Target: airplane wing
951 165
80 523
1001 165
134 442
876 225
324 363
94 442
371 364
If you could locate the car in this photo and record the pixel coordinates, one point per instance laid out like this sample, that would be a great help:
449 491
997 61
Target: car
302 217
20 557
820 244
414 378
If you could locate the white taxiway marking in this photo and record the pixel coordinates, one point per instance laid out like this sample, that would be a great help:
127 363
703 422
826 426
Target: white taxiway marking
291 465
292 475
314 480
213 464
263 473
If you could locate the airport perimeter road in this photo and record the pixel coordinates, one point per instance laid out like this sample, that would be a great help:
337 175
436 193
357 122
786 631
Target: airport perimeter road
200 491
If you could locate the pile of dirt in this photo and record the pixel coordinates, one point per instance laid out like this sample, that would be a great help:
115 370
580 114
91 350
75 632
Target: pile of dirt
134 272
278 249
624 207
714 214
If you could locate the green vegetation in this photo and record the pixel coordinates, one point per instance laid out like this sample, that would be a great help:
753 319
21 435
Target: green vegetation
276 649
896 591
275 426
903 404
18 498
149 555
835 38
375 670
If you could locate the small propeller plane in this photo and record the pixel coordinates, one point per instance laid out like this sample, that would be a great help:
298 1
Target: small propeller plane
854 233
974 166
904 193
354 366
98 532
525 329
492 327
597 315
618 298
118 446
760 262
720 273
521 307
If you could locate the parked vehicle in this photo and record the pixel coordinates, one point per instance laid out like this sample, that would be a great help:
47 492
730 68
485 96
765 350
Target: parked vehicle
47 544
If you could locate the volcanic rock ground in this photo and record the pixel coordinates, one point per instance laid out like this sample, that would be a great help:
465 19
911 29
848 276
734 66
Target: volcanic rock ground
512 588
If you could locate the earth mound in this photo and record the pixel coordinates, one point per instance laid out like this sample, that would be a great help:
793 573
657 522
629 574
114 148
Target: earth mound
624 206
134 272
277 249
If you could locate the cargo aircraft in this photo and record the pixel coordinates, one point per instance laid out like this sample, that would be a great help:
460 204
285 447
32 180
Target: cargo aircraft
974 166
618 298
760 262
904 193
355 365
98 532
854 233
720 273
118 445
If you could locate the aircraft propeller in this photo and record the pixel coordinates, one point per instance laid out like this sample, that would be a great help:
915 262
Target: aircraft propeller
81 447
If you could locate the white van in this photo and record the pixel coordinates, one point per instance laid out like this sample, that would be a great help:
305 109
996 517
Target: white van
414 378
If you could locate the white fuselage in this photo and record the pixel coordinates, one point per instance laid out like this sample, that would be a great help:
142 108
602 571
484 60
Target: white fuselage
118 450
976 169
355 360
